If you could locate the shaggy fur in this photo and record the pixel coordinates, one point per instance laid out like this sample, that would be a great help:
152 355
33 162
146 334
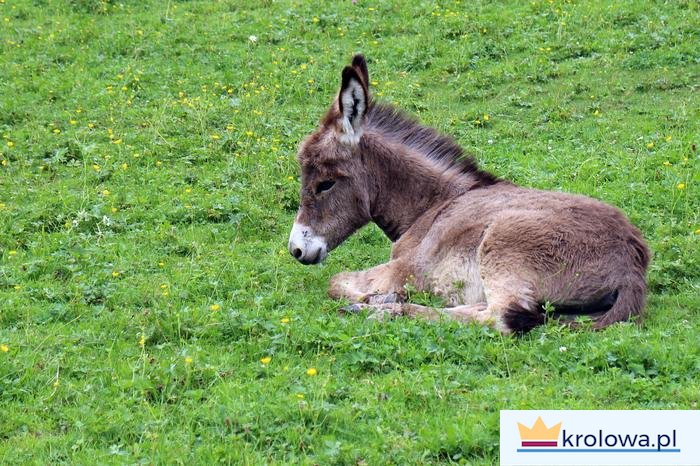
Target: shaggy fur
403 129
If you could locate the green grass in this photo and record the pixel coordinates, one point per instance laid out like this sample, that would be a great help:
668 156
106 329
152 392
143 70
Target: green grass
148 173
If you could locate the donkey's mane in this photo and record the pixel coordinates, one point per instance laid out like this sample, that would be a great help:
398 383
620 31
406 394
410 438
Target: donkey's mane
437 147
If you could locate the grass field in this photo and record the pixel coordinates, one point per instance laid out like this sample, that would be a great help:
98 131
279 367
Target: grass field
149 310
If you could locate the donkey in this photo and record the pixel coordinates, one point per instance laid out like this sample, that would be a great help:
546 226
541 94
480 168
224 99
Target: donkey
498 254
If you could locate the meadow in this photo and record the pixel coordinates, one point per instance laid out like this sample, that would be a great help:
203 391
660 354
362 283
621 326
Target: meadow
150 312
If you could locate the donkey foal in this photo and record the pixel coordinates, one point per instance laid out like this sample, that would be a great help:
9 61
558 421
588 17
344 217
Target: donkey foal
494 251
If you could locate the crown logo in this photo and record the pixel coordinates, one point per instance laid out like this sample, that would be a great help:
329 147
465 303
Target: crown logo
539 435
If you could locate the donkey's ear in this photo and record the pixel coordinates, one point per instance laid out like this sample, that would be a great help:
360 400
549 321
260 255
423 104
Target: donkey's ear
360 64
352 103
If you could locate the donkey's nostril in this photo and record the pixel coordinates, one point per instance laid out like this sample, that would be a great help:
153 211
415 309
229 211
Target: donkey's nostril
297 253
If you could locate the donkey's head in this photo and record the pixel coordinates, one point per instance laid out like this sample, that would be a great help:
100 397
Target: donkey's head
334 187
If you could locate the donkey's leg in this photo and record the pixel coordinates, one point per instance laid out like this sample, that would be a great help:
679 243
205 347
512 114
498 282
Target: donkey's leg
467 313
512 303
373 301
505 319
378 285
509 308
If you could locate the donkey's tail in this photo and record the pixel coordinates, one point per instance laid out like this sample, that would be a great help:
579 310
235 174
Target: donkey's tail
624 303
632 288
629 304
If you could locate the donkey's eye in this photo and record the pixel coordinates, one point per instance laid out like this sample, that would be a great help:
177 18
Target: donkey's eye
324 186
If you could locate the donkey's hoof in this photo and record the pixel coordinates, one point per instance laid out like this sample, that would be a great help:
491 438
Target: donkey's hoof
389 298
350 309
385 312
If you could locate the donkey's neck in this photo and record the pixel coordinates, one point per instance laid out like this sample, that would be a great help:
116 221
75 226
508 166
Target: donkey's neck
404 185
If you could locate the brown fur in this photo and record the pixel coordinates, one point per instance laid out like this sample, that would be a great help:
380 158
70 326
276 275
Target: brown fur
495 251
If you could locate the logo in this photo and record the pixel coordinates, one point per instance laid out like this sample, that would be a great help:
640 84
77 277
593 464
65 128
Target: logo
539 435
542 439
569 437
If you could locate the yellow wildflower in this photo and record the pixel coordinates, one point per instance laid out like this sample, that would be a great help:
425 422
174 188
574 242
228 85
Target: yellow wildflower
125 166
680 186
214 307
300 396
311 371
56 130
72 122
142 340
91 125
4 348
10 144
215 136
114 210
650 145
266 360
115 274
12 253
666 163
285 320
106 192
96 167
487 118
188 359
668 138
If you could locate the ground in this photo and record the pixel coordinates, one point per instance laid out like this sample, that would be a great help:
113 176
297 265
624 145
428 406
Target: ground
149 309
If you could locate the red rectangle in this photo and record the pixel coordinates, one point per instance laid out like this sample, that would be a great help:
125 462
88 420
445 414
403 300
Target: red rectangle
540 444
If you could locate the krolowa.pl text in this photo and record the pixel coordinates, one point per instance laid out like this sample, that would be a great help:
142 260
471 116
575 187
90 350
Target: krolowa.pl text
601 440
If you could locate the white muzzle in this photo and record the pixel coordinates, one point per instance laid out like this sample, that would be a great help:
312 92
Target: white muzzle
305 246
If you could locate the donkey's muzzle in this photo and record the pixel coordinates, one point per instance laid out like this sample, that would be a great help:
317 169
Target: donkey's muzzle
305 246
